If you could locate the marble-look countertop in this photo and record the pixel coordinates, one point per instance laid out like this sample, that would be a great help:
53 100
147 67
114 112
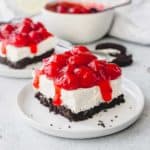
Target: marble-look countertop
15 134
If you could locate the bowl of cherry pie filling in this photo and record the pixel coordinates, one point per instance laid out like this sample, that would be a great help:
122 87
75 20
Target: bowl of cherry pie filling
77 22
25 42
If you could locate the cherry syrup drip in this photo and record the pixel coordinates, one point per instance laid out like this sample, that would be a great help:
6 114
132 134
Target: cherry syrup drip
57 98
36 80
33 48
106 90
3 50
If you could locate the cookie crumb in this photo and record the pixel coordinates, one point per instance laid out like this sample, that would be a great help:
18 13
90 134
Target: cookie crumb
69 126
31 115
101 123
148 69
51 125
116 116
111 120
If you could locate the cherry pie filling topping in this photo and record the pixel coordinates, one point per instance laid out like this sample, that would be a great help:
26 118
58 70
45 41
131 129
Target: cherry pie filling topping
78 68
66 7
25 33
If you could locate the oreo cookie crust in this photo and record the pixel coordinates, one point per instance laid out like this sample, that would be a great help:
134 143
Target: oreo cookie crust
121 57
67 113
25 61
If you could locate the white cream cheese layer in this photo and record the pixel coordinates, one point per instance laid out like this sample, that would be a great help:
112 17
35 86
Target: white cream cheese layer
81 99
15 54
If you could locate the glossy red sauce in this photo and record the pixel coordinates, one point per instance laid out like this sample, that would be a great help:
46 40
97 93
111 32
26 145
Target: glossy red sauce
66 7
79 68
25 33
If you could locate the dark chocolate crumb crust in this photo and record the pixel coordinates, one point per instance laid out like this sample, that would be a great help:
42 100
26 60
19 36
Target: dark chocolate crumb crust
122 58
67 113
26 61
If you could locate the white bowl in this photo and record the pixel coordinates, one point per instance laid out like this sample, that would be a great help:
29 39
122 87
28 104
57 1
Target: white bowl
78 28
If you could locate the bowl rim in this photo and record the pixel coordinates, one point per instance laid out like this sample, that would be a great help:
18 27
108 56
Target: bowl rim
67 14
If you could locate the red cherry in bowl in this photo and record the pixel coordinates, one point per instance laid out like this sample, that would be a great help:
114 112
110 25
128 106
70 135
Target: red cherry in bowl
61 9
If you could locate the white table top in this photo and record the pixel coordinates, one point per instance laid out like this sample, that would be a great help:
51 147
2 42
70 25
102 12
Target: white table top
15 134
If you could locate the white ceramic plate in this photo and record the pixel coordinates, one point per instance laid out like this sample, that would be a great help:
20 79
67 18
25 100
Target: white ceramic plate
114 119
27 72
18 73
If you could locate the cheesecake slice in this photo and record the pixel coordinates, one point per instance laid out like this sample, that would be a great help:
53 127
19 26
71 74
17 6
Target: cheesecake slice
24 43
76 85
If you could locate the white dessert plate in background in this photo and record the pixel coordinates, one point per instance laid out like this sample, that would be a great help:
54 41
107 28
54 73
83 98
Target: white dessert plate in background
27 72
104 123
18 73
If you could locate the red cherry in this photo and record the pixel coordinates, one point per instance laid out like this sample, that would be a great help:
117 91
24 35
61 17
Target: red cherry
81 59
97 65
68 69
38 25
85 10
43 33
35 37
113 71
80 49
19 40
60 59
67 81
68 54
86 77
27 20
6 30
61 9
74 10
51 70
24 29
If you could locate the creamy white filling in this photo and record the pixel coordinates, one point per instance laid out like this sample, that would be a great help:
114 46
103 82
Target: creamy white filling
110 50
15 54
81 99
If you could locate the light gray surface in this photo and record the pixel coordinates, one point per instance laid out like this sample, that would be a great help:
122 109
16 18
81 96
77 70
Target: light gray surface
16 135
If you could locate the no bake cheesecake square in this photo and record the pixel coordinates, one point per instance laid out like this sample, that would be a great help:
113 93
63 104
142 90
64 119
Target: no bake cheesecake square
77 85
25 43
